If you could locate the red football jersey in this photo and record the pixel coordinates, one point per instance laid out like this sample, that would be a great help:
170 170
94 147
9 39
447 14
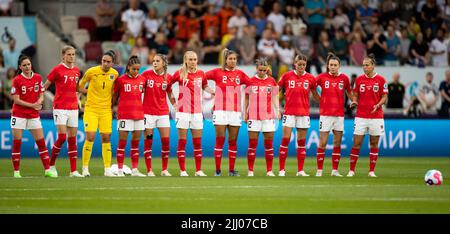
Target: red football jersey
190 91
28 90
66 81
260 93
332 97
155 94
370 91
228 88
297 88
130 97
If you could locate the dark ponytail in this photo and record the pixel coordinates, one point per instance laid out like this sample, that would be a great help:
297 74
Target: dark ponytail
22 57
332 56
132 61
111 54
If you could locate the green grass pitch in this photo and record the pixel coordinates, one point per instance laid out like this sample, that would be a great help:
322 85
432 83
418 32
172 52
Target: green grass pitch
399 189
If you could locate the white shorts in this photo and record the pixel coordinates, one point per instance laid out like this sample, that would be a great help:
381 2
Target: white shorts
66 117
267 125
130 125
156 121
328 123
294 121
232 118
25 124
374 127
188 120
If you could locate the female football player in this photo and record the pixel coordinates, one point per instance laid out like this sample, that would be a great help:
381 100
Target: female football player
370 94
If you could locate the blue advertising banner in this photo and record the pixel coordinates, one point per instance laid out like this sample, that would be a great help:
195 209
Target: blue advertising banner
402 138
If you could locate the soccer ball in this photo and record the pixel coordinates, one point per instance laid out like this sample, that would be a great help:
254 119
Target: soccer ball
433 177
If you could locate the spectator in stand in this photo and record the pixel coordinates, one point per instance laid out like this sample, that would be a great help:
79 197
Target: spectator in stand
151 25
446 13
133 19
249 6
288 31
376 44
11 54
270 26
364 12
303 44
286 54
429 94
123 48
340 46
259 20
439 49
198 6
193 24
247 47
430 15
211 47
104 19
6 88
141 5
196 45
341 21
357 50
5 7
396 92
444 89
238 20
181 21
404 47
267 45
160 45
277 18
177 53
224 15
428 35
419 51
294 20
316 12
293 5
229 41
393 48
388 10
357 28
209 20
162 8
142 51
323 47
413 29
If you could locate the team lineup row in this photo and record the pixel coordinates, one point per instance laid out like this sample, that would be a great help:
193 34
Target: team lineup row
142 107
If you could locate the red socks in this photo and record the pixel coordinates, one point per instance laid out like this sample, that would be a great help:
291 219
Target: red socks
320 158
268 146
148 153
165 152
16 154
218 152
301 154
373 158
57 147
134 154
43 153
73 153
181 154
283 152
251 155
121 153
354 155
232 153
335 157
198 153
